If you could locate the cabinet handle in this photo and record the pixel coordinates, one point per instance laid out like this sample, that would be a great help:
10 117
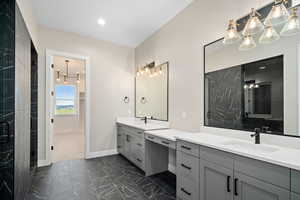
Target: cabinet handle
139 132
235 186
119 134
186 192
119 147
139 160
185 147
152 138
228 184
139 144
164 142
183 165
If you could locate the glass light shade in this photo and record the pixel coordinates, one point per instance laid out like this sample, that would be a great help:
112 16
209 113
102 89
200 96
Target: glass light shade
292 27
231 35
278 15
253 25
247 44
270 35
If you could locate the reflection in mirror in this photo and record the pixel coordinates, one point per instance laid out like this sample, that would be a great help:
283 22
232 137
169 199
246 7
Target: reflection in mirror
151 93
253 89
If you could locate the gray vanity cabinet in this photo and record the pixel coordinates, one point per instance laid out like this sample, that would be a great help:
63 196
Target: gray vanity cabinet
216 181
120 140
248 188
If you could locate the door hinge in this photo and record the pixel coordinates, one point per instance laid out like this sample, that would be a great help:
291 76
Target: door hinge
52 66
52 148
52 93
52 120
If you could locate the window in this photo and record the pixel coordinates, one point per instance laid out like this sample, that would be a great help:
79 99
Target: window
65 100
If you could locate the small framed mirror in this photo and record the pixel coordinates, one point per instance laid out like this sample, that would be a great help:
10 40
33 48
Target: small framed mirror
152 92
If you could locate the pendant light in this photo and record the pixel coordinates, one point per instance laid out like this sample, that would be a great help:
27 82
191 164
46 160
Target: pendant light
278 14
58 76
77 77
231 35
269 35
247 44
253 25
292 27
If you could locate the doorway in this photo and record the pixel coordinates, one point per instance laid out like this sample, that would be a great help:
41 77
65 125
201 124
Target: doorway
67 107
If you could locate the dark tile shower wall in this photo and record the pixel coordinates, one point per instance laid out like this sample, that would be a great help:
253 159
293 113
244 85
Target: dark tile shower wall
7 98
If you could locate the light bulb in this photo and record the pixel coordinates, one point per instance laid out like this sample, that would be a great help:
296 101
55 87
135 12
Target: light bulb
78 77
58 76
253 25
278 14
160 71
231 35
292 27
247 44
270 35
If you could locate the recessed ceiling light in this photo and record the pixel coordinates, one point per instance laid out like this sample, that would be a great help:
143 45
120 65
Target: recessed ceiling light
101 21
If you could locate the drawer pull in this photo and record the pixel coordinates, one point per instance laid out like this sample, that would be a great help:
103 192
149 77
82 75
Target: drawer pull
186 192
139 144
119 134
185 147
184 166
164 142
152 138
139 160
139 132
228 184
119 146
235 187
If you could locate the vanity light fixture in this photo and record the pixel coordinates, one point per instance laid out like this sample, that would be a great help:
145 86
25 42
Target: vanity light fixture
253 25
278 14
292 27
247 44
269 35
231 35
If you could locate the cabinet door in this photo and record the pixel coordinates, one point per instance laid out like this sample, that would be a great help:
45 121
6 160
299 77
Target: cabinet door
127 146
120 141
248 188
216 182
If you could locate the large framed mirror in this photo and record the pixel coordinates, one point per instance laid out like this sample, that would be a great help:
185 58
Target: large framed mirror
152 92
257 88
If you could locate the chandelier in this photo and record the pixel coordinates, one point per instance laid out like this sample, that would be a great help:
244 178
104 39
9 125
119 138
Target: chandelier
67 75
279 16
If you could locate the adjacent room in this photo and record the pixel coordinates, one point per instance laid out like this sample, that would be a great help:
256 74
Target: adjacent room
150 100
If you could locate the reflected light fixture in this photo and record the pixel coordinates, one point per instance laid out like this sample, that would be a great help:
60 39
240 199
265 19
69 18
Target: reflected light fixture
58 76
160 70
253 25
65 79
292 27
269 35
247 44
231 35
278 14
77 77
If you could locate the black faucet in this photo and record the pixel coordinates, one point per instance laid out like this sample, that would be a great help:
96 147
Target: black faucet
144 119
256 135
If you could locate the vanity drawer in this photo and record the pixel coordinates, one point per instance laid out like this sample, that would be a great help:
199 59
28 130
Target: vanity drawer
187 166
274 174
186 189
136 132
187 147
152 138
295 181
216 156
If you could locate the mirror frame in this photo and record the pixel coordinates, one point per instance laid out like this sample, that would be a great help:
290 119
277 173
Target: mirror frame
168 89
242 21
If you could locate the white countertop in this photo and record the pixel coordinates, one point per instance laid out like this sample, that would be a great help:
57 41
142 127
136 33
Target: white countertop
286 157
138 123
168 134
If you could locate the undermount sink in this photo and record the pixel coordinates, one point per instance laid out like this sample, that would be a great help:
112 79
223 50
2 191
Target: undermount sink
250 147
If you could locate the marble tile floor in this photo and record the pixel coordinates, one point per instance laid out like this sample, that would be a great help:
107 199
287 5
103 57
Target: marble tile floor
107 178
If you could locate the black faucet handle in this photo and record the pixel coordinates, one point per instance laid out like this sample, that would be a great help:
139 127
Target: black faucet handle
257 132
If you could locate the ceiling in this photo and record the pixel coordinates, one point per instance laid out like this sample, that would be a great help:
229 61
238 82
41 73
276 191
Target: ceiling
128 22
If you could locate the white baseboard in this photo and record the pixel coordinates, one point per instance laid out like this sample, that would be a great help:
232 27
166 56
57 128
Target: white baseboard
43 163
172 168
98 154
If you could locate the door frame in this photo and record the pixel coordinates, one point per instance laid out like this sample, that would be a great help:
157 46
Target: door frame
50 106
